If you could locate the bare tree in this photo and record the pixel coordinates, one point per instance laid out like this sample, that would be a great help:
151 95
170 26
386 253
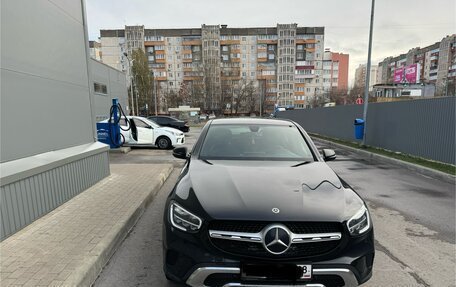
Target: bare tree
172 98
245 92
338 96
355 92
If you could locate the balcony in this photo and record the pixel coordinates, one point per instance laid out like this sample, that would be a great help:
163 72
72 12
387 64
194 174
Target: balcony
305 67
299 76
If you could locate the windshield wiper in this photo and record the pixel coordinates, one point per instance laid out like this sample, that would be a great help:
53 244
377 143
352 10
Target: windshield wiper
301 163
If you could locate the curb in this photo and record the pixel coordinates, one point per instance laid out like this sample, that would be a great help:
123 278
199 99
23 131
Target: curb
410 166
108 246
122 149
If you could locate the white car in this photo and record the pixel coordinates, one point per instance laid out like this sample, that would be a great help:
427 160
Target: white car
146 132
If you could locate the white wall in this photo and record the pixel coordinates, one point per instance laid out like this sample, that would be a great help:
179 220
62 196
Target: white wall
45 99
116 83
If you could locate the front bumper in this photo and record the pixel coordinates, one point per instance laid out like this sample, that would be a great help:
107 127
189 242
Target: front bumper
199 276
193 260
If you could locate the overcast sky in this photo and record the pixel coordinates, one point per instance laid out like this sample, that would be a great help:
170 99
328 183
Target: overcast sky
399 25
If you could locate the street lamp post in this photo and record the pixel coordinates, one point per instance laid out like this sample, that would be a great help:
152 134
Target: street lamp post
366 87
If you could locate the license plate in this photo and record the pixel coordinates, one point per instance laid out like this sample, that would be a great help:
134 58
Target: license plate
276 271
306 271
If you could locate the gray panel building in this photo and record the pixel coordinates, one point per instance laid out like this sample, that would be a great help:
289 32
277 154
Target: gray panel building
49 151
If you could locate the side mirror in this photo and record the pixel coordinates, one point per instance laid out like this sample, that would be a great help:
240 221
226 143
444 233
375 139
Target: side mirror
180 152
329 154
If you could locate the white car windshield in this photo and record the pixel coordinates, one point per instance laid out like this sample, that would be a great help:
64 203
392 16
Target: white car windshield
255 142
151 123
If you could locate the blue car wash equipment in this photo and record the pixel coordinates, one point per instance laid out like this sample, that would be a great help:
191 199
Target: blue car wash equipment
109 133
359 129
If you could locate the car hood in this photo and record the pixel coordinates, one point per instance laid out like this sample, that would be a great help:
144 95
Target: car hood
249 190
168 129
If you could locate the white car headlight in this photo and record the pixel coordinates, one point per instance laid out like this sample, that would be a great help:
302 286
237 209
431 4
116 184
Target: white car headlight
183 219
360 222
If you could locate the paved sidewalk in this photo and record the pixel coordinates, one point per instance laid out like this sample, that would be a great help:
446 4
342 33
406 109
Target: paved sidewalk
70 245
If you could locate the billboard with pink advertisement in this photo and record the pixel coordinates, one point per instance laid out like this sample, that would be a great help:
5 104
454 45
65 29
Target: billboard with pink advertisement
408 74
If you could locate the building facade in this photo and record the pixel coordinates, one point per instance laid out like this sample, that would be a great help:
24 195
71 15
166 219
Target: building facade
108 84
360 76
48 158
95 50
335 71
436 62
215 65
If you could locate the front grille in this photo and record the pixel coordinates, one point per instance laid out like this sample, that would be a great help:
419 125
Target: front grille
253 249
257 226
257 250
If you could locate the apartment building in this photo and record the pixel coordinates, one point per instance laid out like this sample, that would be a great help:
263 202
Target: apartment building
335 71
95 50
283 63
436 65
360 76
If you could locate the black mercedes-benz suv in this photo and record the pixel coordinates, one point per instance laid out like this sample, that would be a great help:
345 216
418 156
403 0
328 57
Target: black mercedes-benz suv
256 205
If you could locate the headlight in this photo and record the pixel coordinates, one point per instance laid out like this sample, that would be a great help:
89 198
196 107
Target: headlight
359 223
183 219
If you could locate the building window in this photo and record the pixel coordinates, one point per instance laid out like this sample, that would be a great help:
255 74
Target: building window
262 55
100 88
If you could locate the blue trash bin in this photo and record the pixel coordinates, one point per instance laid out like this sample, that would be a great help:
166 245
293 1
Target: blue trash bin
359 129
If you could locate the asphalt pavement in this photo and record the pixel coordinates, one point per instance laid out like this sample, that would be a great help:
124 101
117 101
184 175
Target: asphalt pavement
413 217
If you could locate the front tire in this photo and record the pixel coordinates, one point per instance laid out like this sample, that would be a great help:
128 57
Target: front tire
163 143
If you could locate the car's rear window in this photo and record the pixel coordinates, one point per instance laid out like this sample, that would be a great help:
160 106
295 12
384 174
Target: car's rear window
255 142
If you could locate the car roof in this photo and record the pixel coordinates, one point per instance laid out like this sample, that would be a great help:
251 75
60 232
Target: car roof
257 121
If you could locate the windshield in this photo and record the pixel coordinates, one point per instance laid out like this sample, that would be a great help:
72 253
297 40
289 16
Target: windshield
151 123
255 142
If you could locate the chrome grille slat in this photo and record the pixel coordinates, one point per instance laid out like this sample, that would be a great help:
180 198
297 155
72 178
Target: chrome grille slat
258 237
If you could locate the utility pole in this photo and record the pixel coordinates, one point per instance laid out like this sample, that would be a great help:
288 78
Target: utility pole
368 68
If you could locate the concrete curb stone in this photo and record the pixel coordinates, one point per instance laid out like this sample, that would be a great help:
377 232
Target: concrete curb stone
122 149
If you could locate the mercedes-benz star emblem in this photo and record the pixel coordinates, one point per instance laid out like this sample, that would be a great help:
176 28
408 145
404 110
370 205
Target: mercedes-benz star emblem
276 239
275 210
